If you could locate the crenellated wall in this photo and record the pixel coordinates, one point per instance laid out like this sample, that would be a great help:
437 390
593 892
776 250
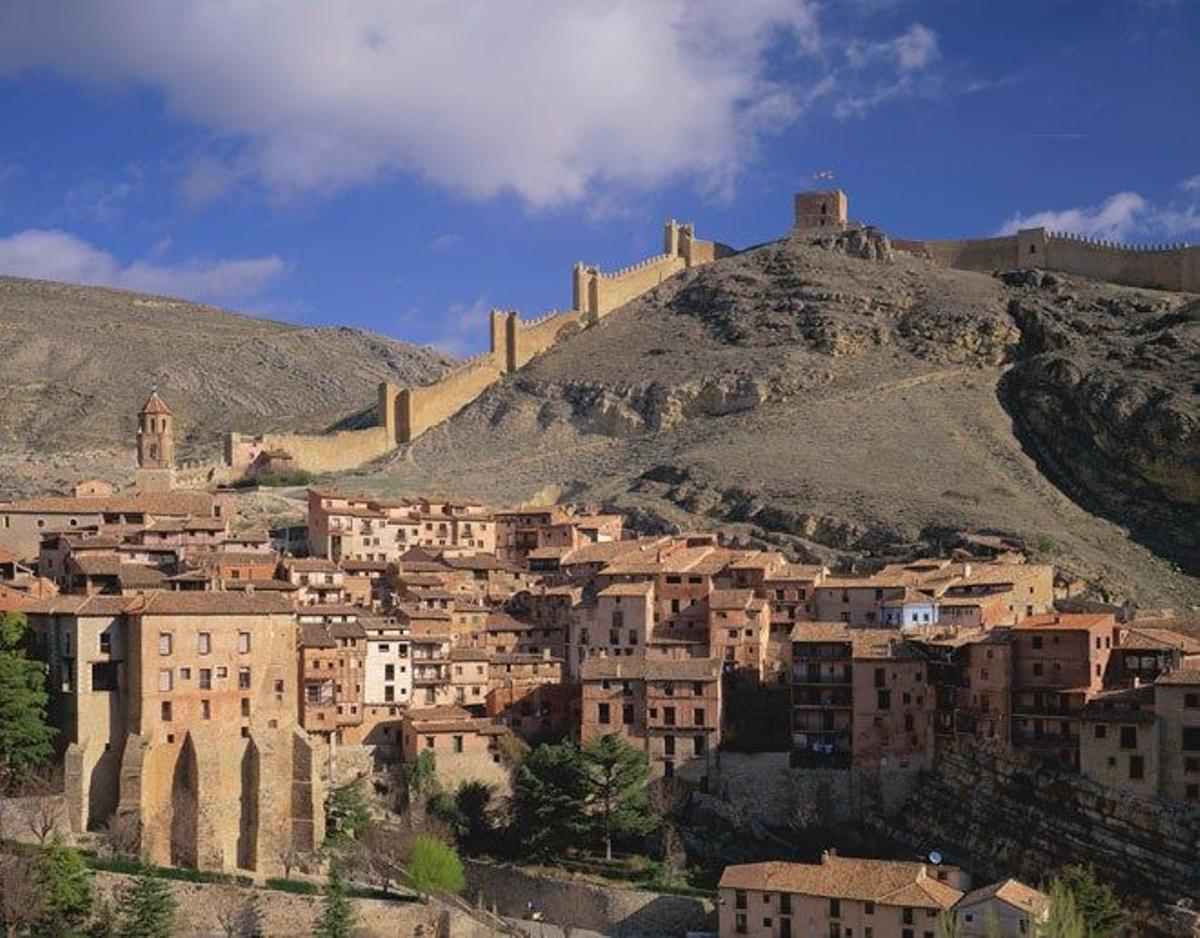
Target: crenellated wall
1161 267
405 413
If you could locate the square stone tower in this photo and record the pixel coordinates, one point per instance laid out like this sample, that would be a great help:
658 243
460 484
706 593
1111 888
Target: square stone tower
822 209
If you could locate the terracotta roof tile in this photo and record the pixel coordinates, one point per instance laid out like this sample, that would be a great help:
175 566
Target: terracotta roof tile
884 882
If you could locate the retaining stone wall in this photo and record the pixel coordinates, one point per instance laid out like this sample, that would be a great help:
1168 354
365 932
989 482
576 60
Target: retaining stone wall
581 904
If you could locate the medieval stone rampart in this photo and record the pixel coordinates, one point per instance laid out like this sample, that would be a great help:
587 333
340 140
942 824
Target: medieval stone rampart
1160 267
999 815
405 413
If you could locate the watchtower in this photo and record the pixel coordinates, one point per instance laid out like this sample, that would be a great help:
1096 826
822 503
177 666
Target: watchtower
822 209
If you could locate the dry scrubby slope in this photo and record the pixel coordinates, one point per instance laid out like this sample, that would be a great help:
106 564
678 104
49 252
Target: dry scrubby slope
76 362
851 407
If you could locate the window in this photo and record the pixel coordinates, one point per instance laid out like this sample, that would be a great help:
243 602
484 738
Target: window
1129 737
1190 701
669 716
164 643
458 744
1191 739
204 643
785 903
243 643
185 674
243 678
698 745
627 714
245 706
906 916
739 899
165 711
698 716
206 678
1038 669
106 643
1137 767
1037 641
869 908
389 672
835 908
104 676
602 714
165 679
669 745
389 693
883 700
205 710
739 923
1101 731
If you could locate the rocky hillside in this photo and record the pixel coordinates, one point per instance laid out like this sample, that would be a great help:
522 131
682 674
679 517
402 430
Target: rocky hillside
851 405
76 363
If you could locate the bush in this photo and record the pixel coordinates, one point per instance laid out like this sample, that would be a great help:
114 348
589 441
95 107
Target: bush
298 886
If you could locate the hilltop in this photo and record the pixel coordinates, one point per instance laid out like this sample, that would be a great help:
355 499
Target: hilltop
853 404
76 362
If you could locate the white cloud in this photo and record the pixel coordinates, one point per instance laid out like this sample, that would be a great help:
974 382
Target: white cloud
914 49
57 255
556 102
445 242
463 329
1123 216
1117 217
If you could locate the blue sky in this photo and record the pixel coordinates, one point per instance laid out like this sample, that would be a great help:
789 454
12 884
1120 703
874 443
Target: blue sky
406 166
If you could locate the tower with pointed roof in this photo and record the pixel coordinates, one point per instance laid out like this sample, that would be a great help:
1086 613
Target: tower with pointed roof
155 435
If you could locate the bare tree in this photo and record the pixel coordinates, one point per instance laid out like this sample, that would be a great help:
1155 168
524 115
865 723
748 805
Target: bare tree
19 892
122 835
289 858
42 803
382 852
236 911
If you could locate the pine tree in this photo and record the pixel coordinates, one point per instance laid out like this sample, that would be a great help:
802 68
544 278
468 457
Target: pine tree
1064 919
550 790
433 866
64 890
149 908
337 914
617 775
25 736
1102 914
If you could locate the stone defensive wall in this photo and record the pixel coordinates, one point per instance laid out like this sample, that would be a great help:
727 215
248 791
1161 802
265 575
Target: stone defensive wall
1173 267
405 413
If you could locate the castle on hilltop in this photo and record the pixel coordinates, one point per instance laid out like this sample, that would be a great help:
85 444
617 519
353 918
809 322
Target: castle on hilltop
403 414
1174 267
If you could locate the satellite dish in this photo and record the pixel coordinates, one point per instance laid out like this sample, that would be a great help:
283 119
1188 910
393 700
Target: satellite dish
935 857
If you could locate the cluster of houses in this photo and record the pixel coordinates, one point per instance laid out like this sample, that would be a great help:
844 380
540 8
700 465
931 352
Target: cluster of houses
422 624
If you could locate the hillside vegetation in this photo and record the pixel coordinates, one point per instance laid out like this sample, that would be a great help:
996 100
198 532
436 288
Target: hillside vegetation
77 362
850 404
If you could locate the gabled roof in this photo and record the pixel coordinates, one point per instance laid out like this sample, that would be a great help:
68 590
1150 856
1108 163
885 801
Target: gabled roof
884 882
1012 891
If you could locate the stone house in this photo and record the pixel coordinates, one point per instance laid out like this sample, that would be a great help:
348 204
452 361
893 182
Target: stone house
1119 740
320 581
839 896
465 748
387 663
1059 663
1008 909
332 667
739 624
1177 705
179 709
670 709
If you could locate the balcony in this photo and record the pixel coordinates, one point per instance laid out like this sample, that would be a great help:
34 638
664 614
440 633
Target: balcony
803 676
1045 740
810 697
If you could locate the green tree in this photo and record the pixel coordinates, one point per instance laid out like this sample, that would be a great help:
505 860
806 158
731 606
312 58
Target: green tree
64 889
337 914
550 790
947 925
471 801
433 866
1102 914
148 908
104 921
616 774
347 813
25 736
1064 919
